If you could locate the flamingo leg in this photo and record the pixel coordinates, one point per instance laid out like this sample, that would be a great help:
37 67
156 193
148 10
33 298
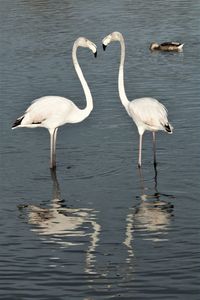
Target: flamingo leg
54 145
140 152
154 148
52 133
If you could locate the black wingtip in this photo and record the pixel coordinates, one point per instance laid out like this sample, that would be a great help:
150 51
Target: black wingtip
17 122
104 47
95 54
168 128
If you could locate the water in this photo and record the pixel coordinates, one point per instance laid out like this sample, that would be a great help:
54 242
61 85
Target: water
98 229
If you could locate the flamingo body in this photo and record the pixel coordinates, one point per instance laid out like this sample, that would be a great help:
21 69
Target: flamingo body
52 112
148 114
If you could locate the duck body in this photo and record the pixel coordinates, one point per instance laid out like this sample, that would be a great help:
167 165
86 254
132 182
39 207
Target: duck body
167 46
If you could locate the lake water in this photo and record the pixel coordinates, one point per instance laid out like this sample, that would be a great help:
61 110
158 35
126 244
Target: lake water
98 229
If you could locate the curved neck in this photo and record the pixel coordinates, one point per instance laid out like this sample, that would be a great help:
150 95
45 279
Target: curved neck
89 101
122 93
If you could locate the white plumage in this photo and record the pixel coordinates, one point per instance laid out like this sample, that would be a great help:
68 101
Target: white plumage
53 111
147 113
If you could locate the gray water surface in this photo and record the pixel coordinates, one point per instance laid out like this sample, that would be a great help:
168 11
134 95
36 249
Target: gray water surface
97 228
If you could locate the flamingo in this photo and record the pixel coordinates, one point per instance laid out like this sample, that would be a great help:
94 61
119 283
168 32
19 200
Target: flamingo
51 112
147 113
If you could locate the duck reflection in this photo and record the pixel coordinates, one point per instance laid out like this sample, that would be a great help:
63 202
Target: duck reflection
150 218
67 227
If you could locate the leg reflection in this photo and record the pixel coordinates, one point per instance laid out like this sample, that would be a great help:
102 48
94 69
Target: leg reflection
150 219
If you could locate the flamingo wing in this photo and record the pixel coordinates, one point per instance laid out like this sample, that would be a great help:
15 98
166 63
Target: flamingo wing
148 111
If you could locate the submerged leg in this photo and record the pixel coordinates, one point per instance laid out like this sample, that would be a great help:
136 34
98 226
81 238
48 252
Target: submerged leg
56 188
154 148
140 152
141 181
155 177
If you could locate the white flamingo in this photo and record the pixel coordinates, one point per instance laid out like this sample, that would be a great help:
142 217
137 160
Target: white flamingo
147 113
53 111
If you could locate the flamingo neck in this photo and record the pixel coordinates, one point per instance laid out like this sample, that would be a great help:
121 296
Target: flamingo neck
122 93
89 101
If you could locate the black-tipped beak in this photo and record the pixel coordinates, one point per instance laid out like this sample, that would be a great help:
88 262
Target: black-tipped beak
104 47
95 54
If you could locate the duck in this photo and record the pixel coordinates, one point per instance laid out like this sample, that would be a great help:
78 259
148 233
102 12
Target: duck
167 46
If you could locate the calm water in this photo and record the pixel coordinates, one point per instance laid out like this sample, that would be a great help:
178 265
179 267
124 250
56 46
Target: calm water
98 229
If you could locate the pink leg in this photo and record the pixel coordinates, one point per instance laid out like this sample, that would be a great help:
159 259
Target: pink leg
140 152
53 133
54 145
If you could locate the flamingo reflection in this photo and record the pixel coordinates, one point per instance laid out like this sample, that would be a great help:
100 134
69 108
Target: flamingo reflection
68 227
150 218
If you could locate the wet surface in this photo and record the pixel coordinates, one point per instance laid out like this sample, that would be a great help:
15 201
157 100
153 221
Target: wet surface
97 228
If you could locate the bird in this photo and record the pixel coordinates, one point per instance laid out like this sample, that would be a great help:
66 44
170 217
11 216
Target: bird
167 46
52 112
147 113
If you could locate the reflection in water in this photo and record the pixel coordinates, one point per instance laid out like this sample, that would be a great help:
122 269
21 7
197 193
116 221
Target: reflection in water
66 226
151 217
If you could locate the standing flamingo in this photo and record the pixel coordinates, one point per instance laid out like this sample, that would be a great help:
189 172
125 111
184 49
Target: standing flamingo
53 111
147 113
